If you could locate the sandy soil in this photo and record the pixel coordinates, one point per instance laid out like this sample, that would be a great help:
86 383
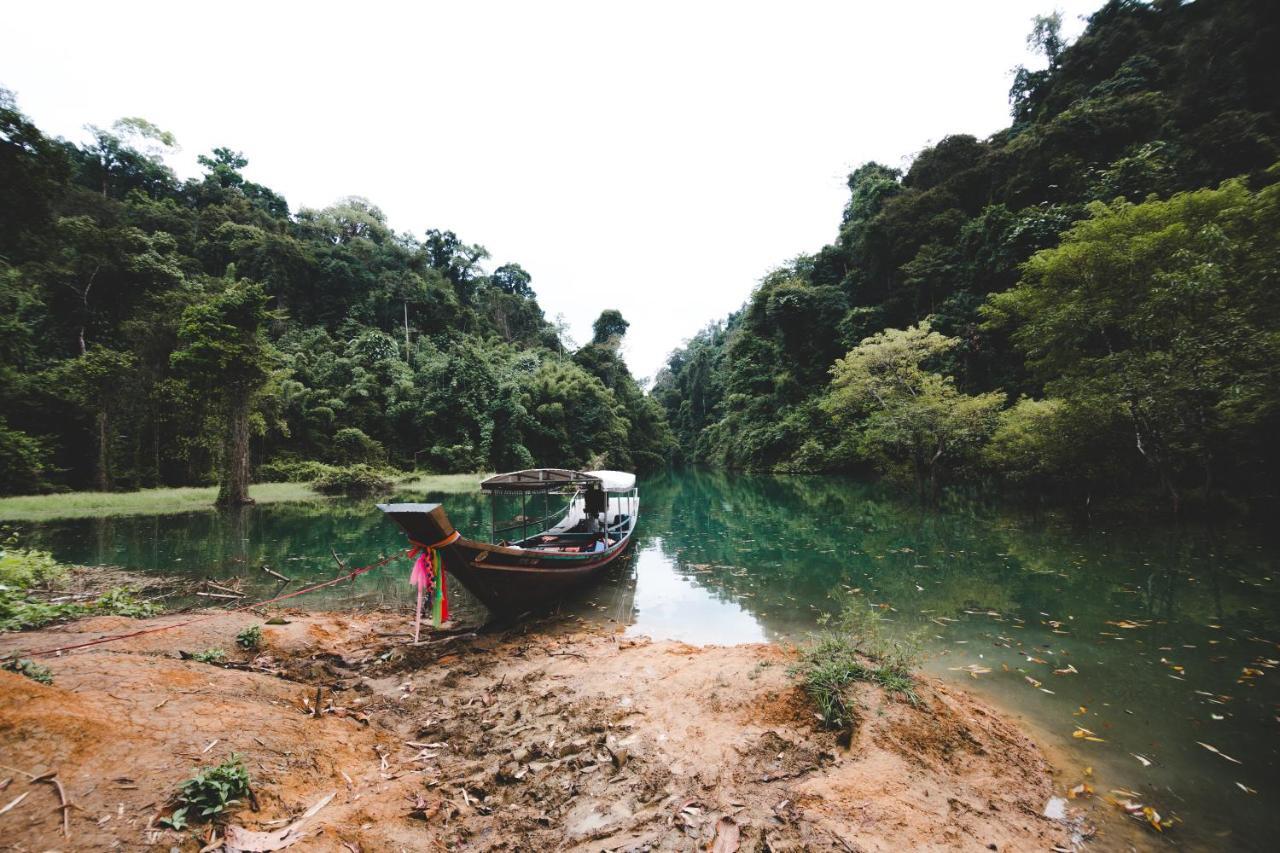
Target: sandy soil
549 736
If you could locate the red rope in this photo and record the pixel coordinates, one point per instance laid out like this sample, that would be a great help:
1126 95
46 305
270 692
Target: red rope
111 639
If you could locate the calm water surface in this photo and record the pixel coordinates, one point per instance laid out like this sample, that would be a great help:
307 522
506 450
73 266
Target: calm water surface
1172 630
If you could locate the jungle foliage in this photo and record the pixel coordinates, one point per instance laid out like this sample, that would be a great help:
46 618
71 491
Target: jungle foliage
159 332
1084 303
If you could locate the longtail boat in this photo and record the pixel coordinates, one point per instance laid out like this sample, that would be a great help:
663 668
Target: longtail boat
586 522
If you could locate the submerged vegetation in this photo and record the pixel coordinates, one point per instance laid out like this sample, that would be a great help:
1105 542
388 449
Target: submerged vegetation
1083 304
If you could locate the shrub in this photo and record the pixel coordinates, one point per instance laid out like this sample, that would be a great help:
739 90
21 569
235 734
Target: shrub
292 470
351 445
23 568
214 656
352 480
18 612
120 601
210 793
250 638
30 669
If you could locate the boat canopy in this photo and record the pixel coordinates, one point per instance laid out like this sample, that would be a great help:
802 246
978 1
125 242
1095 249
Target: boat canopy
553 479
615 481
537 480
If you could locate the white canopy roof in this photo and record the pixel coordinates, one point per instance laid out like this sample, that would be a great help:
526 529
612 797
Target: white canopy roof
615 481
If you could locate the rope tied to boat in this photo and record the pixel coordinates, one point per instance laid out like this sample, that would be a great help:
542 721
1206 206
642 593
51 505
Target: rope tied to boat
351 575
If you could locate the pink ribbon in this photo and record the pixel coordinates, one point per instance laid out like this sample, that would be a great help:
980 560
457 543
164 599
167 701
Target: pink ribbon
421 578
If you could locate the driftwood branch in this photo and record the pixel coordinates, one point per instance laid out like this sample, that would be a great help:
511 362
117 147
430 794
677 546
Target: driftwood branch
276 574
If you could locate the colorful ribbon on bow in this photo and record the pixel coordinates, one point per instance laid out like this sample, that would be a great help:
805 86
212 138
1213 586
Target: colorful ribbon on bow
428 576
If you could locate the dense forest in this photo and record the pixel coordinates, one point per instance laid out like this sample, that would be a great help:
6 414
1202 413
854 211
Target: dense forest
1084 304
165 332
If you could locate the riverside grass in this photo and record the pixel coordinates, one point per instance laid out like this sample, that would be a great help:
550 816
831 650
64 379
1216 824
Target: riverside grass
195 498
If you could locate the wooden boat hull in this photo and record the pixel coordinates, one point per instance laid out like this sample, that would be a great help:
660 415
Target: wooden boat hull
506 579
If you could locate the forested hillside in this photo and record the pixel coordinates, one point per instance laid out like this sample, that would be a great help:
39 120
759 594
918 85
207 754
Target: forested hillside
1085 303
162 332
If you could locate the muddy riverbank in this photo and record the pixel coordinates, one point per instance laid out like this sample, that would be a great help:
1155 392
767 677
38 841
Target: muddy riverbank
548 735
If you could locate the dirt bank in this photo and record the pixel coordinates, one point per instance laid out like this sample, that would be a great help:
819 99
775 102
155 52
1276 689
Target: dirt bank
547 736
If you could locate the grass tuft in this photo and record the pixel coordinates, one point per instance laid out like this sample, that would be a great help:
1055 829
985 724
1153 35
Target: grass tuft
856 649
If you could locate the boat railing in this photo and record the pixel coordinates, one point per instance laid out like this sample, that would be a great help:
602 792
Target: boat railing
624 500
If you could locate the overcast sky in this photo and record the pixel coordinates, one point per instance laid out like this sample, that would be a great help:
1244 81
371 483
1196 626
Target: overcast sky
654 157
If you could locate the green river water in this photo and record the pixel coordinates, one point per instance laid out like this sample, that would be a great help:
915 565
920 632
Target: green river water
1165 625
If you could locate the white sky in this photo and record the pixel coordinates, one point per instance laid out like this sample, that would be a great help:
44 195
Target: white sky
654 157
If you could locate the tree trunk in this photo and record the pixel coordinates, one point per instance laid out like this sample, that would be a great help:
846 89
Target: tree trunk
234 489
102 471
407 358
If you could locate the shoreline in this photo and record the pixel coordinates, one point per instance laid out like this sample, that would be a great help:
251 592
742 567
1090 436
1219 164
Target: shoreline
66 506
552 732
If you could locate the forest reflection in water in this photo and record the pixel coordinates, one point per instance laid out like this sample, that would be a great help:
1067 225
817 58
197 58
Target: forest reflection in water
1166 635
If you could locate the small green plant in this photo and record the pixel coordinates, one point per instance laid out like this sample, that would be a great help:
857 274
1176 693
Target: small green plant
210 793
120 601
19 610
29 668
250 638
856 649
210 656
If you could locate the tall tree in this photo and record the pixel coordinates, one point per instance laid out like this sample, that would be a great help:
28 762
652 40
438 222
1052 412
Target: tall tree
223 348
98 382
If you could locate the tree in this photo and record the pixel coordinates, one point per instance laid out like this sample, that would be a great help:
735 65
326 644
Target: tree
574 418
906 414
1046 36
224 166
1166 310
609 328
130 156
513 280
223 348
455 260
98 382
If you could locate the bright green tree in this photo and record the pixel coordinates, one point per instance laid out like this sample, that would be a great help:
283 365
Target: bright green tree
907 415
